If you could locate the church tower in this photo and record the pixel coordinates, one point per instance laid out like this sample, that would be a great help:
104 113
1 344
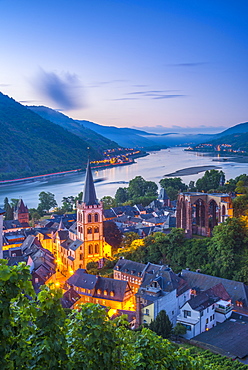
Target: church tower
90 223
21 212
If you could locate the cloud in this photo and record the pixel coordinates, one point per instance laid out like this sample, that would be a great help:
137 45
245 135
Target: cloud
201 129
64 89
197 64
124 99
155 94
102 83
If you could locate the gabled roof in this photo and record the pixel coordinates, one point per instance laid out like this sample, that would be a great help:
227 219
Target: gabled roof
235 289
69 298
81 279
118 287
129 267
21 208
89 195
209 297
75 244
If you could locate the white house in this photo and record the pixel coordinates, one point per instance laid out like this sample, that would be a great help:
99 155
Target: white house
203 311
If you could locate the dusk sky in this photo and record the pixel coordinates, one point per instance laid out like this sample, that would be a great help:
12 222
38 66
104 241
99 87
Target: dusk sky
129 62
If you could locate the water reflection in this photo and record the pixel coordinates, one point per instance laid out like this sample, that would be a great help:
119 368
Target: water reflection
152 168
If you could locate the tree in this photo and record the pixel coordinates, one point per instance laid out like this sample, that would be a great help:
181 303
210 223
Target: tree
108 202
47 201
210 181
179 329
138 187
35 333
162 325
173 185
112 234
240 205
14 202
8 210
121 196
229 240
68 203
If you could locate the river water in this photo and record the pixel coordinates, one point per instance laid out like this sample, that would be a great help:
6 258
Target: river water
152 167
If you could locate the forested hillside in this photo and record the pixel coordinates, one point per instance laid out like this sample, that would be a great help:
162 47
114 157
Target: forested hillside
31 145
90 136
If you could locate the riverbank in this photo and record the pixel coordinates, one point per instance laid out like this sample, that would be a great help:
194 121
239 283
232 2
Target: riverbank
191 171
48 176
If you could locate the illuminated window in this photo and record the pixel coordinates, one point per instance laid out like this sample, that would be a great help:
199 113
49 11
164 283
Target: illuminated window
96 217
112 293
89 218
89 230
105 292
96 229
98 291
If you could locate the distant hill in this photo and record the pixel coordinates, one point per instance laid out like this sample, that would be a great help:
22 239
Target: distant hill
31 145
239 128
93 139
239 141
236 136
126 137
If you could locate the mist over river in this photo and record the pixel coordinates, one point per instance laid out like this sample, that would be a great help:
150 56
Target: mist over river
152 167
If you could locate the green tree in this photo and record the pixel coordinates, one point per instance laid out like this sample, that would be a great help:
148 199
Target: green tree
68 203
173 185
240 205
179 330
162 325
9 215
108 202
226 247
14 202
121 196
210 181
47 201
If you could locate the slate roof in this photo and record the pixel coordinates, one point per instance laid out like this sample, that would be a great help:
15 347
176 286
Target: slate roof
63 234
119 288
14 224
129 267
81 279
89 194
163 195
69 298
235 289
165 277
21 208
75 244
209 297
2 211
229 338
109 213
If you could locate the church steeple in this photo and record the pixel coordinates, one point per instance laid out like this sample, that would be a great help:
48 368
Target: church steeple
89 196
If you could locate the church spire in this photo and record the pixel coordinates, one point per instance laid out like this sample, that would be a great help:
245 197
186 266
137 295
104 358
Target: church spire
89 196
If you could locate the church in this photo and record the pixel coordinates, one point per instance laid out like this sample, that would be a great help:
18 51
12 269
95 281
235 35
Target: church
84 242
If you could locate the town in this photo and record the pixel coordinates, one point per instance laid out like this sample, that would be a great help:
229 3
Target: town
69 251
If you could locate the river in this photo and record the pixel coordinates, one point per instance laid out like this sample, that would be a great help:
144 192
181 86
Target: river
152 167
